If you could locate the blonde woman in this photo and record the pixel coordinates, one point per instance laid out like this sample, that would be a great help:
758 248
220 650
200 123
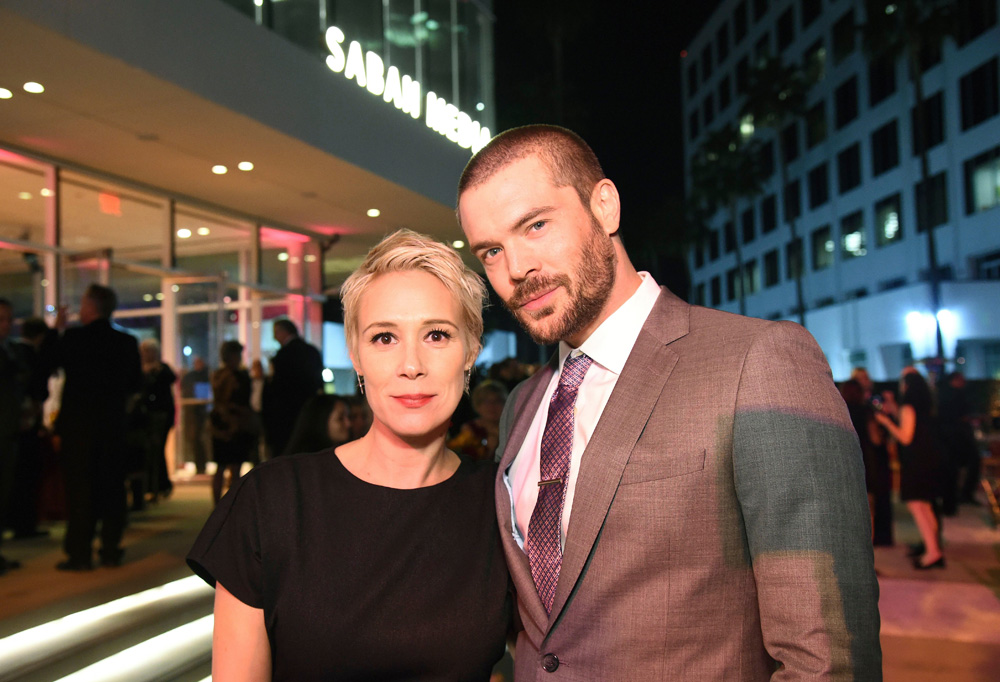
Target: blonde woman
380 559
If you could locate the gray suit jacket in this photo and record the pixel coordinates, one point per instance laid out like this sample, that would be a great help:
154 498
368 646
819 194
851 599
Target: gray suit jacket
720 527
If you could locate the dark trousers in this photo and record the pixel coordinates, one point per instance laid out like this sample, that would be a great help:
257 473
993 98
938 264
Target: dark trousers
95 492
24 498
8 464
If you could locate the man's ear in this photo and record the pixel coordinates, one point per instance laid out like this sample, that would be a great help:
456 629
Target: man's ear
605 204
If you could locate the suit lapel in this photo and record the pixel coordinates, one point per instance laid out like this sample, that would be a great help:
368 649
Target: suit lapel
603 462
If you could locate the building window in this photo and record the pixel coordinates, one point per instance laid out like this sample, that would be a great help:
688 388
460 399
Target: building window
822 248
980 97
751 277
786 29
881 78
793 200
933 115
988 266
771 272
790 142
713 245
692 78
849 168
885 148
974 18
746 222
811 9
693 123
819 186
816 124
740 21
706 63
759 9
699 254
888 221
725 92
814 61
766 160
846 102
793 258
853 243
699 294
722 42
762 48
931 198
843 37
742 75
729 234
732 284
716 286
768 214
708 109
982 181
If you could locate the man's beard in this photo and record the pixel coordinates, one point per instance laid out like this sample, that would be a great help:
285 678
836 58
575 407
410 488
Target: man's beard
595 278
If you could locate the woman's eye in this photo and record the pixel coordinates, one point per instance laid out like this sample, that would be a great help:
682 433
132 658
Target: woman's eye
438 335
384 338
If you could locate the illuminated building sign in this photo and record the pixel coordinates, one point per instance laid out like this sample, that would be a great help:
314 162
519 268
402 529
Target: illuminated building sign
368 70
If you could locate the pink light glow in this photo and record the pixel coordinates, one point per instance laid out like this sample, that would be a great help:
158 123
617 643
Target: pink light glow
273 236
330 229
11 157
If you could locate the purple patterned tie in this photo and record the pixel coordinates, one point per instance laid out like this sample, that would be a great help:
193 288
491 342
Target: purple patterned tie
543 546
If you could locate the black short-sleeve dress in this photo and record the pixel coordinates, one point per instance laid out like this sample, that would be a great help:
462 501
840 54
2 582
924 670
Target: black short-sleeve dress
359 581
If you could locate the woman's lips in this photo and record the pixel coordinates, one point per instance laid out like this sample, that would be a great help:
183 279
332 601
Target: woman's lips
413 400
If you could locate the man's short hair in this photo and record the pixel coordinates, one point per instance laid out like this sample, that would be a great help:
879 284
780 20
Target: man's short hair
104 298
34 327
570 160
287 326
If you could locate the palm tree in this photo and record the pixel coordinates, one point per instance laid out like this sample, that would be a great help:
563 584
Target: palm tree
909 29
724 170
776 96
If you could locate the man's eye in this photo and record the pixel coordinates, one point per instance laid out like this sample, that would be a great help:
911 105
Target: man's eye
490 253
537 225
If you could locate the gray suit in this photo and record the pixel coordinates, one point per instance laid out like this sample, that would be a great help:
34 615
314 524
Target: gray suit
719 527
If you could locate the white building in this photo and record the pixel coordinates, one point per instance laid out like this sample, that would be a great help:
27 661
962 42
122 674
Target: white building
853 179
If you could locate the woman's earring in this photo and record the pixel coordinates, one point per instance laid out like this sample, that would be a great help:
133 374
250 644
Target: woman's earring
361 384
468 377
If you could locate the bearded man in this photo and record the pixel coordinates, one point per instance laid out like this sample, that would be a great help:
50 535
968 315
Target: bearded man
680 494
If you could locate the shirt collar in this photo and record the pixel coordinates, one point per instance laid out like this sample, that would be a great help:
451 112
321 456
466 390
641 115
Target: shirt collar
611 343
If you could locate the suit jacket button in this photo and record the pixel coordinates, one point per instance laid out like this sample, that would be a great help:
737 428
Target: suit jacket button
550 662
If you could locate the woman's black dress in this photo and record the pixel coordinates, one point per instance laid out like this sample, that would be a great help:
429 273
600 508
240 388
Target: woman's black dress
920 462
359 581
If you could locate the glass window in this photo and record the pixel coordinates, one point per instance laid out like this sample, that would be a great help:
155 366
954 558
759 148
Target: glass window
713 245
759 9
693 123
732 284
751 277
299 21
708 109
885 148
793 258
699 254
975 17
786 28
881 78
846 102
933 115
23 193
284 258
819 186
746 221
811 10
844 37
980 95
692 77
716 286
849 168
888 221
766 160
814 61
706 63
740 21
762 48
982 181
725 92
722 42
793 200
771 268
699 294
790 141
729 232
853 243
822 248
816 124
768 214
474 42
742 75
931 197
211 243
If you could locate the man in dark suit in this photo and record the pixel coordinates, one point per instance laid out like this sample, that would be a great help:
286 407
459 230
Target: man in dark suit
681 493
13 382
103 373
296 374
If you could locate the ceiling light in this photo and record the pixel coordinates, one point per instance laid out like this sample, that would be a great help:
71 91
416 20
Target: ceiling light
46 192
24 195
175 288
34 88
245 166
283 256
147 297
457 244
183 233
5 93
310 258
220 169
159 296
480 106
374 213
204 231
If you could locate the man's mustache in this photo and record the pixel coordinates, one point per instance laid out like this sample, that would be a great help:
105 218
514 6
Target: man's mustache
531 288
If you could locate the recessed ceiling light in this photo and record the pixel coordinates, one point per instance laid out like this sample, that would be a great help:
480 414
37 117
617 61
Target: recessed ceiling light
159 296
480 106
175 288
5 93
204 231
34 88
245 166
46 192
283 256
183 233
458 243
220 169
309 258
24 195
374 213
147 297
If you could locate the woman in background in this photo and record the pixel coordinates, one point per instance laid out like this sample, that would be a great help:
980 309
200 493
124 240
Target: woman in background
478 437
323 423
232 419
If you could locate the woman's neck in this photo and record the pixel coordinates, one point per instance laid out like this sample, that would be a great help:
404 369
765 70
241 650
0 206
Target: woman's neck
384 458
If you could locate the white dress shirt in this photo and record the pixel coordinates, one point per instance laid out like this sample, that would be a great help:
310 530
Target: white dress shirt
609 346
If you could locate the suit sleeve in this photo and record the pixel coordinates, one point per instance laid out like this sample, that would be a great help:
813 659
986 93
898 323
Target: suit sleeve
800 483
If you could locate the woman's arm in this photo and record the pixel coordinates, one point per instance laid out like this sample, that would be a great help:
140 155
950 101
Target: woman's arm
240 649
907 424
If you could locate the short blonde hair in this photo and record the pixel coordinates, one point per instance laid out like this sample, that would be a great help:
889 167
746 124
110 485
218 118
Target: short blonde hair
404 251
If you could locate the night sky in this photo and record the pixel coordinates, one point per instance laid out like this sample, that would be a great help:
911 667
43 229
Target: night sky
620 90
